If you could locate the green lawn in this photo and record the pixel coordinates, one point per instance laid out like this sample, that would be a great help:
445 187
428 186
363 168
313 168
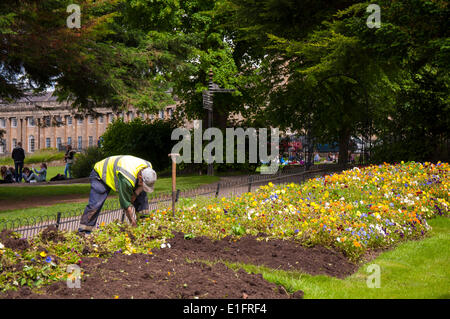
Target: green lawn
24 193
413 270
52 171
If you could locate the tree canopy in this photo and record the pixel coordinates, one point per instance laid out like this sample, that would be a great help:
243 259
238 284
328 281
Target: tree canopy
312 66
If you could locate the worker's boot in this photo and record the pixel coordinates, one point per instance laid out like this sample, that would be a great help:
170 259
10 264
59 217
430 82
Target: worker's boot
83 232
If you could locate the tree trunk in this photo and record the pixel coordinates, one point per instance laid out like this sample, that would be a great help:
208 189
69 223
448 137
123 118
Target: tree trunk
344 140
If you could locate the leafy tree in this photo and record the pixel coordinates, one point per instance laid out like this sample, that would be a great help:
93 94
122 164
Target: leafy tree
340 78
99 64
418 127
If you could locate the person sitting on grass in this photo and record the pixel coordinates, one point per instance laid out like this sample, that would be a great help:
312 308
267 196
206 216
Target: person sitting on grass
28 176
13 172
41 174
7 175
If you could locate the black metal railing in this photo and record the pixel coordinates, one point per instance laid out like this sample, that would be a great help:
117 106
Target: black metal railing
111 211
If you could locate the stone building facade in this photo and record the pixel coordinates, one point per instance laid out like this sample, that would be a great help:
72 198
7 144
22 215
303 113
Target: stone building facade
41 122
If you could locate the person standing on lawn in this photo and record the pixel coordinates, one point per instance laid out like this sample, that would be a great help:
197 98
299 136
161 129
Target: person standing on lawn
68 158
18 156
131 177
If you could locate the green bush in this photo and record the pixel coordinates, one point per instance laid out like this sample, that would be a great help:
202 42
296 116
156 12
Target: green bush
143 139
84 162
224 167
44 156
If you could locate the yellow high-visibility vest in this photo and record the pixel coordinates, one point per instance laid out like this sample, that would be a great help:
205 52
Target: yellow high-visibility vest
128 165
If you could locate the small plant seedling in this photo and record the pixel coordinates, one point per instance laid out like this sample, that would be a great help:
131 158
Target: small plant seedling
189 236
238 230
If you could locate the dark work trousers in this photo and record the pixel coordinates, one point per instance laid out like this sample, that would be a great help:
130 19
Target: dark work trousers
97 196
18 171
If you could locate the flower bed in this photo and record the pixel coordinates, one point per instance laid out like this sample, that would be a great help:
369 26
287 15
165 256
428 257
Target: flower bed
352 212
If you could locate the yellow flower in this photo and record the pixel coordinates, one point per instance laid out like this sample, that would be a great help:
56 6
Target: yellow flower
116 297
43 254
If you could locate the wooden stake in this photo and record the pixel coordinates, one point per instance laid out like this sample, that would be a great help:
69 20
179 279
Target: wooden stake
174 180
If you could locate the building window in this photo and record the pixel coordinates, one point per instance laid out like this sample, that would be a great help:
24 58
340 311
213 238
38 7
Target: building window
100 119
80 142
170 113
69 141
110 117
14 144
14 122
69 120
91 119
47 120
152 116
2 122
91 141
31 144
58 120
58 143
31 121
47 142
80 121
2 147
131 116
161 114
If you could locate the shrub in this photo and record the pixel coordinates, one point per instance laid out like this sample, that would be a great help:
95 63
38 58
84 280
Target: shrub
149 141
84 162
44 156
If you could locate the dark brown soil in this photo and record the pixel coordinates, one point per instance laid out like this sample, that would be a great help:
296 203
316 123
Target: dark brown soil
51 233
277 254
177 273
7 238
143 276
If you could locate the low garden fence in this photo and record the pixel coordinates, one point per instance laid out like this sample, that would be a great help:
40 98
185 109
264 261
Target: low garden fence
111 210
